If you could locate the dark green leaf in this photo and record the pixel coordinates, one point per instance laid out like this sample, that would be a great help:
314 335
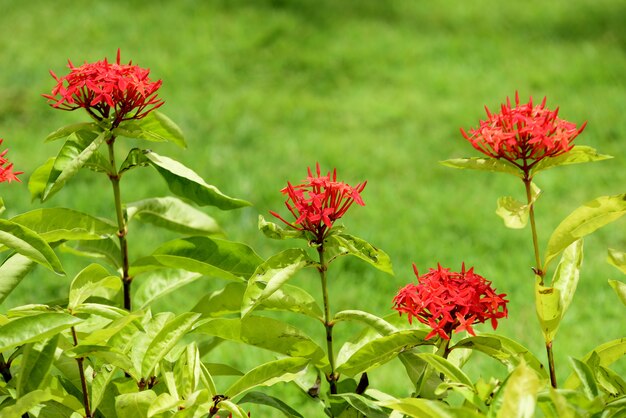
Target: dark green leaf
261 398
208 256
39 179
29 244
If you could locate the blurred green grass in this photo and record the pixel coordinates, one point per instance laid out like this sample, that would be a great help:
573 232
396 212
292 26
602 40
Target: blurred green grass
379 90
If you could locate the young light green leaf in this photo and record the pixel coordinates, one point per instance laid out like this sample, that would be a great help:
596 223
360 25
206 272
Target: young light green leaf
507 351
271 275
513 212
567 274
620 289
275 231
109 355
219 369
26 403
32 328
583 221
106 249
606 353
67 130
586 377
164 403
549 309
56 224
578 154
76 151
165 340
234 409
38 180
12 271
617 259
519 393
36 361
483 164
134 405
261 398
267 333
91 279
160 283
365 406
185 183
344 244
382 350
442 365
208 256
268 374
188 371
173 214
376 323
420 408
154 127
28 243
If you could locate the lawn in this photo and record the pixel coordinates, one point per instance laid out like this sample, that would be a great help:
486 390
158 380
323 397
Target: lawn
379 90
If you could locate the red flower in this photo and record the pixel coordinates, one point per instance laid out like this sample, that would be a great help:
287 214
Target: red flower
524 134
6 168
101 87
319 201
447 301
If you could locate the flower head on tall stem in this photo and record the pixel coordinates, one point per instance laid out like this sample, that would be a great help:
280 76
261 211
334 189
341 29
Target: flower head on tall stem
107 90
447 301
6 168
319 201
523 134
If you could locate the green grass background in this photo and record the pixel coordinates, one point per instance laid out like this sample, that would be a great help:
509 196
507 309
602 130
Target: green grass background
378 89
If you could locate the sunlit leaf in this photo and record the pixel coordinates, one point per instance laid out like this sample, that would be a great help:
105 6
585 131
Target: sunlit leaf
586 378
617 259
483 164
583 221
261 398
154 127
268 374
208 256
378 324
159 283
606 353
25 403
344 244
448 369
12 271
620 289
91 279
173 214
36 361
134 405
32 328
420 408
578 154
518 397
549 309
275 231
567 274
28 243
109 355
106 249
271 275
235 410
515 213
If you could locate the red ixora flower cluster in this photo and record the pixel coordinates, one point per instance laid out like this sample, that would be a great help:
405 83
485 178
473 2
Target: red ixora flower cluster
447 301
524 134
6 168
102 86
319 201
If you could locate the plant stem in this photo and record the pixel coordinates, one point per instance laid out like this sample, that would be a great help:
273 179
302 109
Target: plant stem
551 364
533 227
83 381
332 378
122 229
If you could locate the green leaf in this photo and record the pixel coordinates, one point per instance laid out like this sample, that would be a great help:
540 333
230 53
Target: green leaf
365 406
382 350
483 164
267 333
506 351
25 403
185 183
32 328
12 271
165 340
271 275
583 221
38 180
134 405
586 377
344 244
578 154
261 398
515 213
218 369
106 249
234 409
275 231
420 408
56 224
160 283
442 365
376 323
74 154
567 274
29 244
36 361
268 374
620 289
617 259
109 355
67 130
519 393
549 309
154 127
208 256
136 158
173 214
92 278
607 354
